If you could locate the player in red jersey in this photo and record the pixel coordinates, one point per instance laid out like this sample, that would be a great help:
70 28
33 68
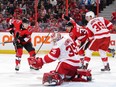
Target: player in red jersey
22 38
78 33
100 33
64 50
15 25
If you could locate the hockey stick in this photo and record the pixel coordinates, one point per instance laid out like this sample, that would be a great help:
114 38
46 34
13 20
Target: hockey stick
6 42
83 45
43 42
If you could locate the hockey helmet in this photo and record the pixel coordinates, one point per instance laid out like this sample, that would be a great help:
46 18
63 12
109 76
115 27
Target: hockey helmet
56 36
90 14
25 23
69 26
25 20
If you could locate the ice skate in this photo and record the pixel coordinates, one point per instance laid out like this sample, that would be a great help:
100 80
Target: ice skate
106 68
17 67
113 52
32 68
17 61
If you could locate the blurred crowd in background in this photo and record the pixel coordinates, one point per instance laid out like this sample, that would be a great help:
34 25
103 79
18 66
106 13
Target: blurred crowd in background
49 12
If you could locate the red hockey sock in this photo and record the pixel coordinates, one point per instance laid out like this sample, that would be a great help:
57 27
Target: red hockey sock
32 53
17 61
87 59
105 60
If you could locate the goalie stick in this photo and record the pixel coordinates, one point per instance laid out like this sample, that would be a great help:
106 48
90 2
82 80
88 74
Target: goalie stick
52 29
43 43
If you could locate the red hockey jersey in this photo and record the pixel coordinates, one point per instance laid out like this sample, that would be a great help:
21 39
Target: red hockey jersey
78 32
25 35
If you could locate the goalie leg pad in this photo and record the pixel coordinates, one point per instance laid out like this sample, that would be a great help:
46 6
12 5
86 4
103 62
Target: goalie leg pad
83 75
52 79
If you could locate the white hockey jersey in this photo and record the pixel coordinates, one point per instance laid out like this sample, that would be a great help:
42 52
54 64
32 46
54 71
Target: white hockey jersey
100 27
64 50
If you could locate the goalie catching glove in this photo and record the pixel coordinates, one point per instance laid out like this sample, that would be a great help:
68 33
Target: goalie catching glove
36 63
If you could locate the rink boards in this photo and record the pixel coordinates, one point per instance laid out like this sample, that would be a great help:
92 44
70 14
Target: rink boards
37 40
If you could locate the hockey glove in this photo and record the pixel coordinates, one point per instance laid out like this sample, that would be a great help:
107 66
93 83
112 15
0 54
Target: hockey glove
11 30
16 39
65 17
16 42
36 63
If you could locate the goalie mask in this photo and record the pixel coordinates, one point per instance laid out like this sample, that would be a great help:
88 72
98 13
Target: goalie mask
55 37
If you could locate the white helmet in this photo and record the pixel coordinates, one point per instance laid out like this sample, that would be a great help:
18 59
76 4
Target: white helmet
56 36
90 14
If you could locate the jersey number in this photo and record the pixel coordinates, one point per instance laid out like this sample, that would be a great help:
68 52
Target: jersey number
72 49
98 26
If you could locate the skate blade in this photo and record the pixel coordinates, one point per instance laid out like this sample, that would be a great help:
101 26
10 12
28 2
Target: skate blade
49 84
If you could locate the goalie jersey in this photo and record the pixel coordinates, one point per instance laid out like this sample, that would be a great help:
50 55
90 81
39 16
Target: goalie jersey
65 50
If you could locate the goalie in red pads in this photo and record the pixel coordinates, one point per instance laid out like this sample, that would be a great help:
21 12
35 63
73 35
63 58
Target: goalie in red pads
65 50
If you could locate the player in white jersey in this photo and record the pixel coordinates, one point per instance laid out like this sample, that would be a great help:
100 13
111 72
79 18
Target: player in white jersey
100 33
65 50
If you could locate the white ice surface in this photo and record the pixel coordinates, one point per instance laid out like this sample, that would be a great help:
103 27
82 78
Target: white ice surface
29 78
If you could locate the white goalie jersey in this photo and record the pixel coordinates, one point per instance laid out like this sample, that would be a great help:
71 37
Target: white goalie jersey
64 50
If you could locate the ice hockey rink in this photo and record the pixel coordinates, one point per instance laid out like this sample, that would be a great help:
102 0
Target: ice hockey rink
30 78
